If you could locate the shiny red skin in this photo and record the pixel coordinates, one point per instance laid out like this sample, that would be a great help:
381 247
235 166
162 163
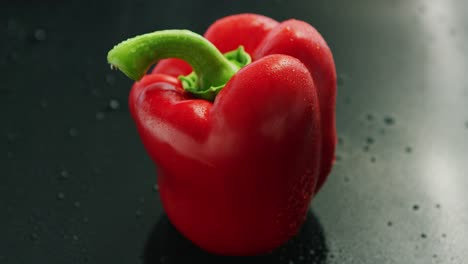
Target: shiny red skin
237 175
300 40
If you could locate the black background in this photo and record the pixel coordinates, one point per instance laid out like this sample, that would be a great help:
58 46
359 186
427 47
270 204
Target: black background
76 185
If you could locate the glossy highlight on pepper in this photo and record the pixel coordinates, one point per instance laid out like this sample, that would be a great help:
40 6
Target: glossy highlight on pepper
240 124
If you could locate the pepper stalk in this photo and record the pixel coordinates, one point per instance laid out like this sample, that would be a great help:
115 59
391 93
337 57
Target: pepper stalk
212 69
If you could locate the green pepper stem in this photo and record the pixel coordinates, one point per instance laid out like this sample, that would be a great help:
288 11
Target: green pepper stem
135 55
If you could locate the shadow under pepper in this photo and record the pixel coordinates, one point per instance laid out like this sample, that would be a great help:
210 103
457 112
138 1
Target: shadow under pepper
166 245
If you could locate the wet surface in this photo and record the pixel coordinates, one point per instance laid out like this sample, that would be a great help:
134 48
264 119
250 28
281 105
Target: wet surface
78 187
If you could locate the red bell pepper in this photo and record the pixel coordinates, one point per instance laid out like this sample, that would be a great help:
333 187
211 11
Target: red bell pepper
244 141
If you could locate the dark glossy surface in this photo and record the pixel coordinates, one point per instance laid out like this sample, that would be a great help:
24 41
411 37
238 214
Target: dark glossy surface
77 186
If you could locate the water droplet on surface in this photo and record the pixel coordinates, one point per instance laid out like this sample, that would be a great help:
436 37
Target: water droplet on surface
422 9
389 223
415 207
75 237
138 213
12 56
110 79
11 137
100 116
64 174
408 150
73 132
40 34
291 261
423 235
452 32
85 219
12 25
114 104
437 206
95 92
43 103
156 187
434 256
347 100
365 148
372 159
32 219
346 179
97 171
34 236
389 120
141 199
341 80
369 117
311 252
369 140
340 141
77 204
60 196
